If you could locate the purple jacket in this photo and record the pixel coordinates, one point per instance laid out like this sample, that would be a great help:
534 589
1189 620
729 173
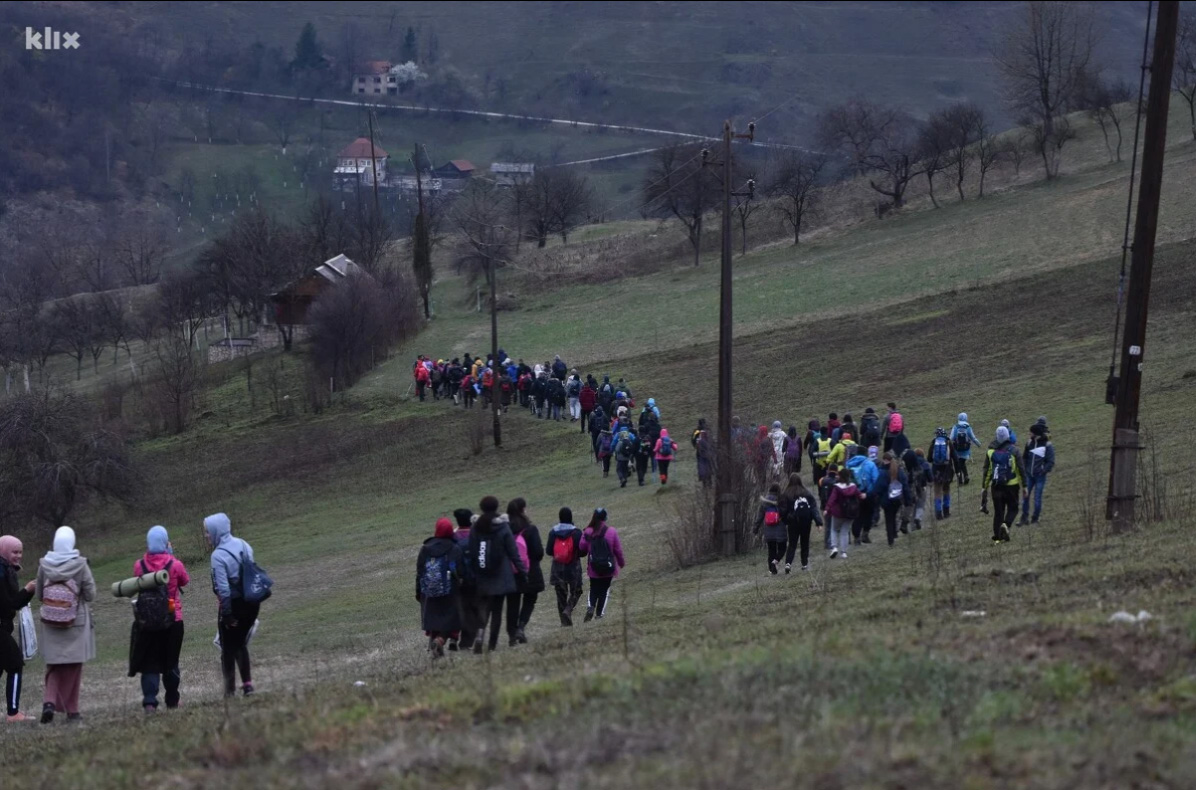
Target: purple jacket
616 548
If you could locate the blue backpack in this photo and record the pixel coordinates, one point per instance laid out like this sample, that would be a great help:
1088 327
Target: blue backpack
940 452
256 584
1002 467
436 581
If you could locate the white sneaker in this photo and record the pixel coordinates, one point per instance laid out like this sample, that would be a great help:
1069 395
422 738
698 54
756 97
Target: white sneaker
843 556
835 553
788 568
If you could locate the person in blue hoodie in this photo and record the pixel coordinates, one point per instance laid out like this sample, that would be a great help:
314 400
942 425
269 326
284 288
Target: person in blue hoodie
237 617
962 438
865 473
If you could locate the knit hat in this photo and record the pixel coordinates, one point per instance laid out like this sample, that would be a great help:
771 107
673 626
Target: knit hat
1002 435
940 431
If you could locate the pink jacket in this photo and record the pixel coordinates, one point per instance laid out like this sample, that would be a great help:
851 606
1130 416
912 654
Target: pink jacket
664 435
616 548
178 577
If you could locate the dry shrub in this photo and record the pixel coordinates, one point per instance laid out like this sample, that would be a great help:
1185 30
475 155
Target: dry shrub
475 431
693 536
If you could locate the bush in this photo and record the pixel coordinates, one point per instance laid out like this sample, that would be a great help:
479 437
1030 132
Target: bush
694 537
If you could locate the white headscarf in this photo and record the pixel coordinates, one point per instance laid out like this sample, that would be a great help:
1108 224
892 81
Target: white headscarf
64 547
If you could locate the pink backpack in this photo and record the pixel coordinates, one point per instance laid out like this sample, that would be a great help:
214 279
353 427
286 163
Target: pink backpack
896 422
521 544
60 604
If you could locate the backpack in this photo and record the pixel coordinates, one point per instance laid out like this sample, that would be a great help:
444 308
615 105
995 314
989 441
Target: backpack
521 545
963 441
604 441
896 489
802 510
154 609
1002 467
940 452
436 581
623 445
896 423
602 558
824 449
485 562
850 451
256 584
772 516
563 550
666 447
60 604
870 430
574 389
849 506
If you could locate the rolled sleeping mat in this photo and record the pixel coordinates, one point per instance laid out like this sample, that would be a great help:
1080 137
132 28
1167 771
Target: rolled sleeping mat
130 587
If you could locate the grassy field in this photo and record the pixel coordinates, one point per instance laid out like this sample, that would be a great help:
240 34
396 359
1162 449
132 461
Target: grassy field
863 673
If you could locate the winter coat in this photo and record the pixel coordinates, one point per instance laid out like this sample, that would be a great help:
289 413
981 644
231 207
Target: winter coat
840 492
13 598
500 580
884 485
705 456
179 577
441 614
77 644
616 548
535 555
839 452
786 502
900 443
565 574
779 439
967 430
1035 465
776 532
664 436
588 398
1019 471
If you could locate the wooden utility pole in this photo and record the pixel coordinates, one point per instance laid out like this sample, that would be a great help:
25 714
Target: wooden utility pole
1123 465
495 384
725 482
374 166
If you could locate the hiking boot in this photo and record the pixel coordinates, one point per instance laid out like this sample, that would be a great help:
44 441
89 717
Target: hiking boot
520 636
47 713
938 515
74 718
1005 533
946 512
479 645
622 484
917 524
512 642
866 538
247 690
1034 520
589 614
904 527
788 568
772 567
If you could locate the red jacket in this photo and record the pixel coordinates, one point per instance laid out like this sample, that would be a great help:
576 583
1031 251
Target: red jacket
422 374
588 399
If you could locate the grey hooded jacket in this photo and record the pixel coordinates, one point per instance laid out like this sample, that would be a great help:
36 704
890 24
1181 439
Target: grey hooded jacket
226 560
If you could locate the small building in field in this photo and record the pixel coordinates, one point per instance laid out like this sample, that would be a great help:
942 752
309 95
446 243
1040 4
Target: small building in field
508 174
354 165
374 79
230 348
457 169
292 303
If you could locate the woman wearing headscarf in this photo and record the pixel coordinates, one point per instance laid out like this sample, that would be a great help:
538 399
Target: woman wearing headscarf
528 587
64 581
155 654
237 616
438 574
13 598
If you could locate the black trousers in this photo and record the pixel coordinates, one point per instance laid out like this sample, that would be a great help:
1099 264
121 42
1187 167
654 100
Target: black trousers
891 508
475 611
567 596
663 465
605 465
600 594
641 467
863 522
234 652
585 420
776 552
12 692
1004 507
799 533
519 611
961 470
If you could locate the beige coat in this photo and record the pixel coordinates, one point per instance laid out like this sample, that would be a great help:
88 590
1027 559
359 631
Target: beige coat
76 644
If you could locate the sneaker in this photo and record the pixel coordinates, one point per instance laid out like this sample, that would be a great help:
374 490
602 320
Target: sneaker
866 538
589 614
843 556
17 717
788 568
74 718
984 509
835 553
772 567
1023 521
1004 533
452 646
247 689
904 527
622 484
438 647
1034 520
151 710
805 567
512 642
47 713
479 645
996 541
520 636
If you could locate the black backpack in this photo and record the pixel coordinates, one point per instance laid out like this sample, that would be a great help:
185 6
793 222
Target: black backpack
849 505
152 609
802 510
602 558
869 430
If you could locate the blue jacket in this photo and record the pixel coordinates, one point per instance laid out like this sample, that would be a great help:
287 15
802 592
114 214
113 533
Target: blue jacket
226 560
1035 465
963 426
864 471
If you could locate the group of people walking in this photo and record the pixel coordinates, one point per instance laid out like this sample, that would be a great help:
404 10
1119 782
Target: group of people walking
65 589
470 573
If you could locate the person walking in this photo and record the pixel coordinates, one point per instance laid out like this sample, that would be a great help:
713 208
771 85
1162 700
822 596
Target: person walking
962 440
799 509
898 495
522 603
866 474
1003 476
155 651
825 484
564 546
496 564
605 448
894 426
642 450
665 450
793 453
237 618
918 473
472 620
704 456
600 543
842 509
1039 461
13 598
768 518
587 400
573 392
780 443
65 587
944 467
438 573
626 442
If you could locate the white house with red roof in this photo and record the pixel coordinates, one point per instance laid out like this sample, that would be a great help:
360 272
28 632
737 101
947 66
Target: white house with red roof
353 163
375 79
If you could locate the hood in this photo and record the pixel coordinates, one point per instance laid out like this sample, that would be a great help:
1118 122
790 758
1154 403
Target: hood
157 541
963 417
156 562
61 572
651 401
664 433
218 527
438 547
762 432
64 548
563 529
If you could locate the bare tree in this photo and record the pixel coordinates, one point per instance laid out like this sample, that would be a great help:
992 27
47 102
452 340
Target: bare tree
1183 77
894 156
480 216
1105 103
372 236
282 120
794 186
553 202
175 380
115 323
964 123
73 318
96 265
745 207
54 456
854 128
1044 57
1014 148
325 231
934 150
678 185
988 150
140 252
185 301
